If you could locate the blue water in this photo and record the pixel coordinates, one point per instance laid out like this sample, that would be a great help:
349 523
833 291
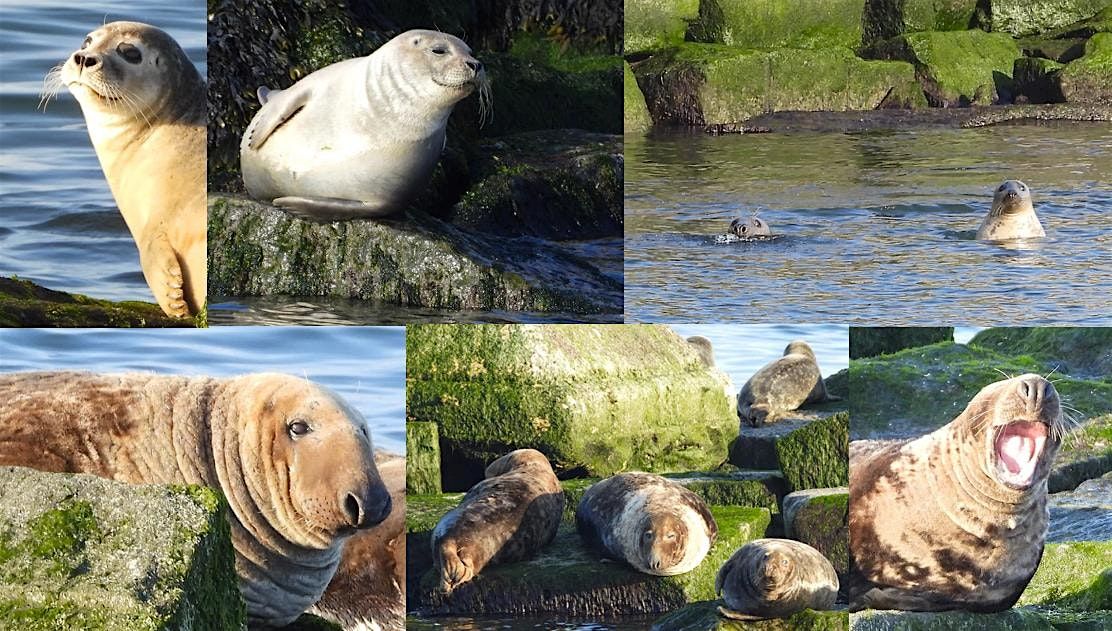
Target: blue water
364 365
59 225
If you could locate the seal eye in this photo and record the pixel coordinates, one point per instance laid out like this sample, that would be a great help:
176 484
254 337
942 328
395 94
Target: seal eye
130 53
440 50
744 228
1001 188
299 428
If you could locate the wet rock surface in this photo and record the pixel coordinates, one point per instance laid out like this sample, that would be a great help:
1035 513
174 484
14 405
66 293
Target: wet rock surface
26 304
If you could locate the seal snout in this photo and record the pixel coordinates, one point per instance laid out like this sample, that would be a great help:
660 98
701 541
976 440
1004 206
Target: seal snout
86 61
367 509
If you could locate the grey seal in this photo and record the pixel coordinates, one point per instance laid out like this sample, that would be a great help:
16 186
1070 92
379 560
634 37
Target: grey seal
782 385
1012 215
775 578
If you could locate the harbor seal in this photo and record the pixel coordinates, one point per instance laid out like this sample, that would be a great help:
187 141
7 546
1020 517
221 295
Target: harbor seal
775 578
1012 215
507 517
704 348
144 106
656 525
750 228
293 460
359 138
956 519
781 386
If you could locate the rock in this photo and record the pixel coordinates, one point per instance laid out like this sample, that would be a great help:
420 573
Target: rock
984 117
820 519
1073 576
419 261
1083 514
1089 79
1010 620
26 304
1062 51
422 449
1027 17
779 23
637 117
880 340
781 445
710 84
595 399
1036 80
885 19
703 616
78 551
1085 454
959 68
309 622
1077 351
656 24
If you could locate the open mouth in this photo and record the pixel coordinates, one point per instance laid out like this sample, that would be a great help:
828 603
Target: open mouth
1019 447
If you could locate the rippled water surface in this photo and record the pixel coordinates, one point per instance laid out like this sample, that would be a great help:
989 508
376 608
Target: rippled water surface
878 227
59 225
364 365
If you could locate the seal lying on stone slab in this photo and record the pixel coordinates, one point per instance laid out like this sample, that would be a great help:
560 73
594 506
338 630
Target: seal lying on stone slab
1012 215
781 386
360 138
507 517
775 578
293 460
144 106
652 523
956 519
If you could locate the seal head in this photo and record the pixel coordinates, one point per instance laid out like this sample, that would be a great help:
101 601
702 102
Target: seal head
1012 215
750 228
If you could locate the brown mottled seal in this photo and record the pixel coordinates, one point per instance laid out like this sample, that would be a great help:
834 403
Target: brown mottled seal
144 105
956 519
1012 215
652 523
782 386
774 578
507 517
293 460
750 228
704 348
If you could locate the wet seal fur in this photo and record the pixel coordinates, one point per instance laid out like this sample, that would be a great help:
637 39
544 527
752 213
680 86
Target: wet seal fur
1012 215
145 109
507 517
781 386
750 228
704 348
361 137
652 523
294 462
956 519
775 578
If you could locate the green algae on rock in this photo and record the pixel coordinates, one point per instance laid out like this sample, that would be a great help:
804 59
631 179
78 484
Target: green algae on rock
637 118
1089 79
884 19
422 449
1075 576
820 519
1019 619
78 551
770 24
656 24
1036 79
817 455
703 616
755 447
1076 351
26 304
873 341
1026 17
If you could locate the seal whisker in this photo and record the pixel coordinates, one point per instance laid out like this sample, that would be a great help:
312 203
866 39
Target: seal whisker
51 84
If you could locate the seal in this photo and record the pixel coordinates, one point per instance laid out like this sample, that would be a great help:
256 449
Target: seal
293 460
956 519
781 386
750 228
775 578
360 138
144 106
368 590
507 517
652 523
704 348
1012 215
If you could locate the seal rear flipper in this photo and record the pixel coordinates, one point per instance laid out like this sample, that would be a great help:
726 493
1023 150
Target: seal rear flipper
163 272
279 106
327 209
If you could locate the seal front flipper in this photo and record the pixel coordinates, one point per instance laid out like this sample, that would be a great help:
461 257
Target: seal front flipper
279 106
326 209
902 600
162 269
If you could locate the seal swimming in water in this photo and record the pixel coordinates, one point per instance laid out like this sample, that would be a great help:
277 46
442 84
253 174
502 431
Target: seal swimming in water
782 385
144 106
956 519
360 138
775 578
750 228
507 517
656 525
1012 215
294 462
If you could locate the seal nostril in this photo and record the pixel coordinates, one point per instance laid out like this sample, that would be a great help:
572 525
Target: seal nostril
85 61
353 509
475 65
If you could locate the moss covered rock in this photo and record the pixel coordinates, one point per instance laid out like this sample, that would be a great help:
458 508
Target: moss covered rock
637 118
1075 351
1036 80
816 456
1089 79
820 519
1074 576
873 341
779 23
755 447
1083 513
26 304
885 19
1010 620
78 551
656 24
1086 454
1027 17
595 399
703 616
422 449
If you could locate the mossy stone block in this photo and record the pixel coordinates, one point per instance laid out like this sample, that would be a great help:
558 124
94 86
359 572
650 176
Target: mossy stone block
771 24
820 519
24 303
656 24
884 340
637 118
1010 620
1036 79
1089 79
422 450
1027 17
703 616
817 455
78 551
1076 351
1075 576
884 19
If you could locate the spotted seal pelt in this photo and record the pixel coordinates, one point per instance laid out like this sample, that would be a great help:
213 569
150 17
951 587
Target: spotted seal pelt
775 578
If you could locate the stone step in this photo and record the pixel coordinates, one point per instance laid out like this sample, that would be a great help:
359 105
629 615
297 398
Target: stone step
812 451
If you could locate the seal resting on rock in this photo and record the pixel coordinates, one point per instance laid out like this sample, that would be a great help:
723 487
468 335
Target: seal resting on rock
360 138
704 348
507 517
956 519
775 578
293 460
1012 215
652 523
782 386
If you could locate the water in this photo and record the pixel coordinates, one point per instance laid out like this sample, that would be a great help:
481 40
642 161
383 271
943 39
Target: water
364 365
59 225
878 226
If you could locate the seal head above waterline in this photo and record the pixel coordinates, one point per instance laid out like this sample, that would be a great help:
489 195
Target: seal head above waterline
956 519
751 228
1012 215
652 523
507 517
360 138
144 106
294 462
775 578
781 386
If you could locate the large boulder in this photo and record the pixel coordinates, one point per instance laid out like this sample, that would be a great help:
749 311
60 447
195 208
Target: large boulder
1075 351
779 23
1027 17
1089 79
880 340
422 448
81 552
885 19
820 519
811 452
637 118
24 303
656 24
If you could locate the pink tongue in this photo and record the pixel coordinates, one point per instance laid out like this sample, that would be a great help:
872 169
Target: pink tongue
1016 451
